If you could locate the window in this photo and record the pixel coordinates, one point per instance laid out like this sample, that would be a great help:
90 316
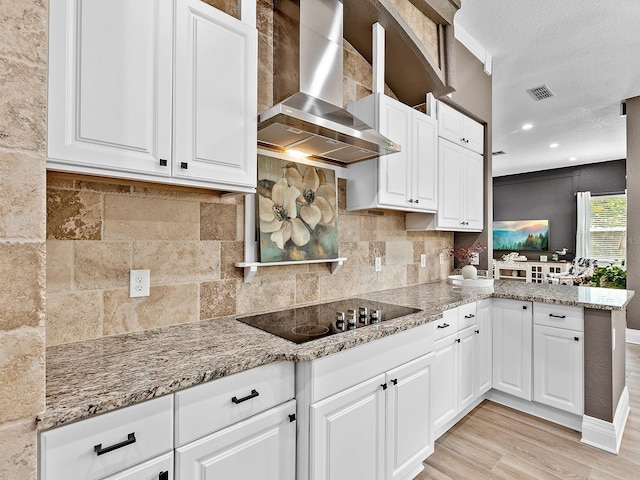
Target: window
608 226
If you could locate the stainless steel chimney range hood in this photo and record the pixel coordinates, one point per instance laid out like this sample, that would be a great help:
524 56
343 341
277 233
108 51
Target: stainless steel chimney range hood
308 84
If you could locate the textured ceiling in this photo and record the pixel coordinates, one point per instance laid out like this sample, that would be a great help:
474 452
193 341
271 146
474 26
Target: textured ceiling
586 51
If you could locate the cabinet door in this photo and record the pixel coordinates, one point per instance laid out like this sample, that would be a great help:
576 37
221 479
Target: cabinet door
445 392
394 169
473 133
160 468
424 179
483 351
450 123
465 347
450 184
263 446
215 96
110 87
409 435
512 342
473 191
348 434
558 374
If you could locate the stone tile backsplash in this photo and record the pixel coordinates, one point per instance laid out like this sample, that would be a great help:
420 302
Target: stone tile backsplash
100 229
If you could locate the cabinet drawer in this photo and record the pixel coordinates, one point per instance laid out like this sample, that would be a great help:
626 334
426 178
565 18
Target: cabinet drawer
466 315
214 405
561 316
139 432
447 325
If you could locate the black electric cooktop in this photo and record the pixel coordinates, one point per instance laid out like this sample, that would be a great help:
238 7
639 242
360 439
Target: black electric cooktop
304 324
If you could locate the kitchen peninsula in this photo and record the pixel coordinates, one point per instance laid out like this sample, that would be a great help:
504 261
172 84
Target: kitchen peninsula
89 378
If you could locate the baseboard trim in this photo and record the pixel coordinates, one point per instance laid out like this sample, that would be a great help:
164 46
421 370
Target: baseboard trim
633 336
607 435
539 410
442 430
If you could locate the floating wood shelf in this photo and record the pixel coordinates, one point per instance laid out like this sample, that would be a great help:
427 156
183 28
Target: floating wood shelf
251 268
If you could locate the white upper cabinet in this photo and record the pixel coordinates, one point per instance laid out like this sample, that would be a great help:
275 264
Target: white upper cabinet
461 193
215 96
152 90
406 180
460 129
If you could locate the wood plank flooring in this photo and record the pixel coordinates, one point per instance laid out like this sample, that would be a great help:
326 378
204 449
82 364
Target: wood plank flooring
496 442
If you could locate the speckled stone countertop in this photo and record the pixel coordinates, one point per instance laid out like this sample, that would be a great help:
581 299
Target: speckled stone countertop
87 378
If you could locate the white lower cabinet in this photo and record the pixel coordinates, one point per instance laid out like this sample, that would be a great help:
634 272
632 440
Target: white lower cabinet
263 446
348 433
460 365
558 357
444 403
118 441
512 342
409 432
484 347
379 429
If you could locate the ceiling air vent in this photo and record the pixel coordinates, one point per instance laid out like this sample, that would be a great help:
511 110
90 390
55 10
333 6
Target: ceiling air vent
540 93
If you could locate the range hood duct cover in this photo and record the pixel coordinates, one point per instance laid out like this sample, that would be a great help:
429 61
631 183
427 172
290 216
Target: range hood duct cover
307 83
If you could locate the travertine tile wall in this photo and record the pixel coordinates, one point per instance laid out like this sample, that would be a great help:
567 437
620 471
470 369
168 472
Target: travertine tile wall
23 74
99 229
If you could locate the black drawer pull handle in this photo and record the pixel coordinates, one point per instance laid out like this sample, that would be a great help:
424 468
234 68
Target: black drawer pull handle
163 475
163 162
254 393
477 331
577 339
444 325
131 438
557 316
471 315
384 386
184 165
394 381
457 340
292 417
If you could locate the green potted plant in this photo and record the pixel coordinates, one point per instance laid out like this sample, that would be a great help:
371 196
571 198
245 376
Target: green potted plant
610 276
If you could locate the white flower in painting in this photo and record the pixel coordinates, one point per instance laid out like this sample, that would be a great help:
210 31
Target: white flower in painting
318 200
279 216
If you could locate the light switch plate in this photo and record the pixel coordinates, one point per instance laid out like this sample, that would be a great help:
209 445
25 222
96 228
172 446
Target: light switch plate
423 260
377 265
139 283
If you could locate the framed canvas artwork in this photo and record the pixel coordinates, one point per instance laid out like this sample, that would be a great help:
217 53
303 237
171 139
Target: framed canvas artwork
297 211
521 235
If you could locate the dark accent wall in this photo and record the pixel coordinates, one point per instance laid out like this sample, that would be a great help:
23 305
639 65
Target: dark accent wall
550 194
633 206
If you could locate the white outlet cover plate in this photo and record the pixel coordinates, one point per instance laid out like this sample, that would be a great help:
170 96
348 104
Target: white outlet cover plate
139 283
378 264
423 260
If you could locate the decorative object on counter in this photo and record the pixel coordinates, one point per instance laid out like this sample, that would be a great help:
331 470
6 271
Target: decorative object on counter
521 235
297 211
478 282
554 257
514 257
610 276
543 258
467 255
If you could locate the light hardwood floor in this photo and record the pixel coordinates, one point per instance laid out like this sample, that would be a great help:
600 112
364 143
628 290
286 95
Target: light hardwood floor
497 442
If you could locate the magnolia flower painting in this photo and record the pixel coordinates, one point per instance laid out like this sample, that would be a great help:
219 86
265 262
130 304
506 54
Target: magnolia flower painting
297 211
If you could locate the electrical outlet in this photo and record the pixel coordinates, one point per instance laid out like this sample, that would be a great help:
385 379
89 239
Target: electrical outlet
441 258
423 260
139 282
377 265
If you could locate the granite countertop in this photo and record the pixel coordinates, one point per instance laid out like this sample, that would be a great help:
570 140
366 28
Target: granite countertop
96 376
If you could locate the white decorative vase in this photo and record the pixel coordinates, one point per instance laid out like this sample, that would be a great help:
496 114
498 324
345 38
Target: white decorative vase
469 272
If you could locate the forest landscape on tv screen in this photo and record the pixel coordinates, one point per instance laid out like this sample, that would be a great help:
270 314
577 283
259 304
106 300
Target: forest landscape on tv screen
517 235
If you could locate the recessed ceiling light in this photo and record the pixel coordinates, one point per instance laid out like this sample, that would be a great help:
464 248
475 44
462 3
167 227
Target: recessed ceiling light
554 145
571 159
527 126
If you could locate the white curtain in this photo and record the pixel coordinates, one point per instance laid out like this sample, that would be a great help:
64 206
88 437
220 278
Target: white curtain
583 200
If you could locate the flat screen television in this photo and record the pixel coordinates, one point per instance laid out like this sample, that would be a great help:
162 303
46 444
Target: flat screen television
516 235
